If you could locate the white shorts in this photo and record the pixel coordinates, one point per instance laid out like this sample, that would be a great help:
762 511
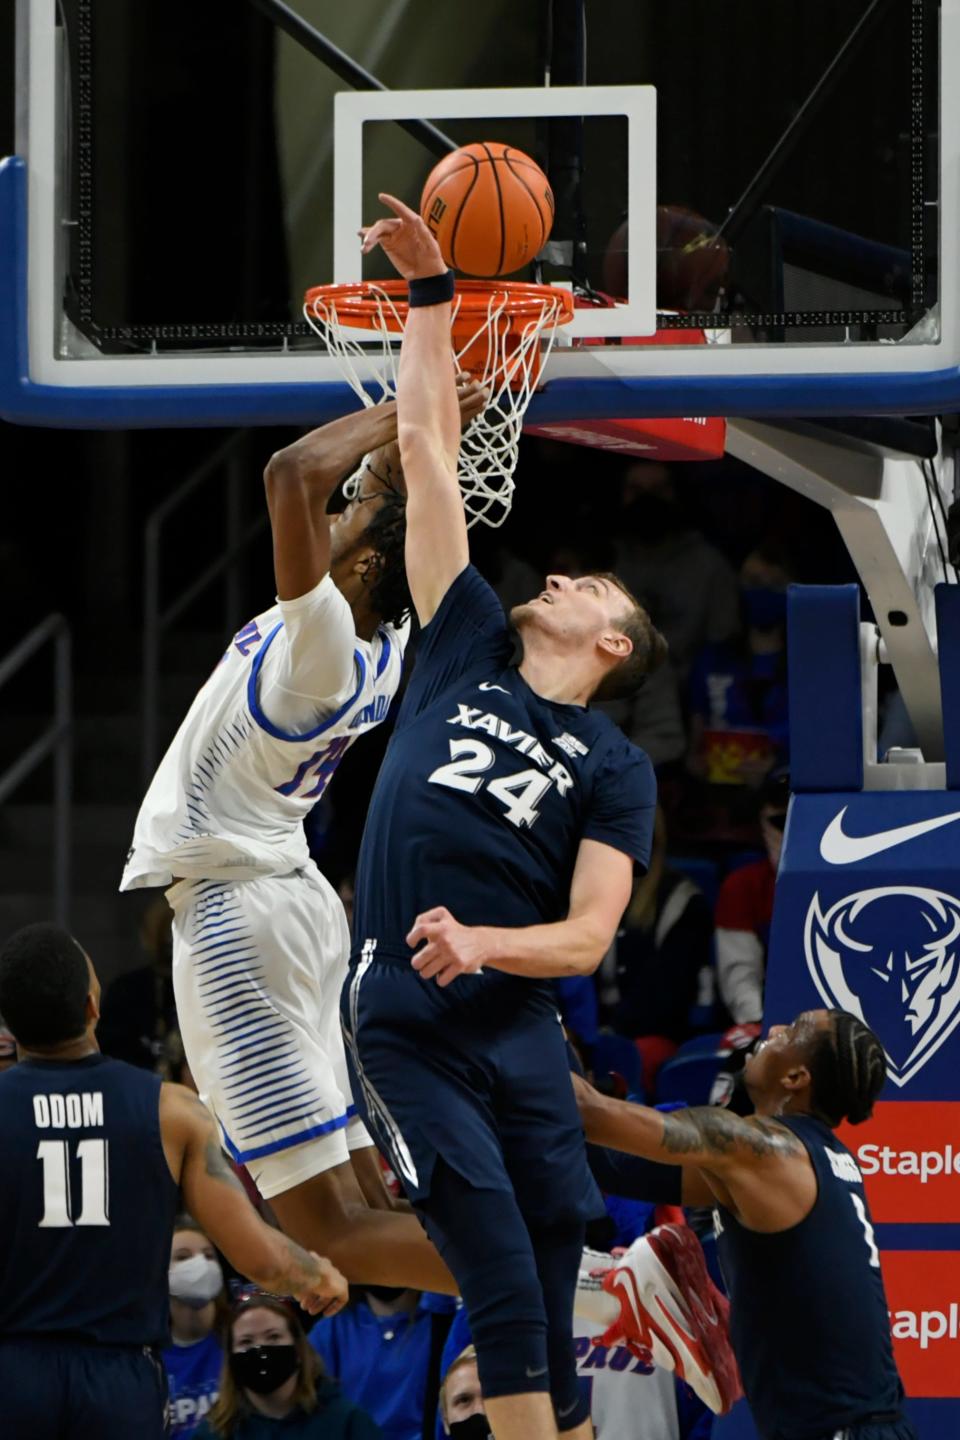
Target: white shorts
258 966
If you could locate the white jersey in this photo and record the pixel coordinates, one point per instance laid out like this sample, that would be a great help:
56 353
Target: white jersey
261 741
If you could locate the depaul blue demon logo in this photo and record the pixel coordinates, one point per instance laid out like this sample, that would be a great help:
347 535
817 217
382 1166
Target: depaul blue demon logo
892 957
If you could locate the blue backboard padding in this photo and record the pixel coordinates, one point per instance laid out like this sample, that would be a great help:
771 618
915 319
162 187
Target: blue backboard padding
823 671
99 407
948 647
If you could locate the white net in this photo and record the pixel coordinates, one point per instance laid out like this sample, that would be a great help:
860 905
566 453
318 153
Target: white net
515 353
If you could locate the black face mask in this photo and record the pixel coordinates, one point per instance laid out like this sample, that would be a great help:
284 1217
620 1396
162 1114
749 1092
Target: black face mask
475 1427
264 1368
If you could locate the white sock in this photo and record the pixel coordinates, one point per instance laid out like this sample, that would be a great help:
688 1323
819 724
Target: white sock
591 1301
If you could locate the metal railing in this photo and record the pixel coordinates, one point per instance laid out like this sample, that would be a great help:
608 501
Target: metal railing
58 739
228 459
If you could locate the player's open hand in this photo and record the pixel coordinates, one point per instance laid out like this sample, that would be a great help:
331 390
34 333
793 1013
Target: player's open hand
411 248
451 949
322 1290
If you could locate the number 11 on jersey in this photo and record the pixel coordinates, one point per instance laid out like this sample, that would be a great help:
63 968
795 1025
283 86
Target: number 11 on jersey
55 1158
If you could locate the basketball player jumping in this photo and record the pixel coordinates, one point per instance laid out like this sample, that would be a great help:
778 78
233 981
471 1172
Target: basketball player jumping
808 1314
498 853
260 940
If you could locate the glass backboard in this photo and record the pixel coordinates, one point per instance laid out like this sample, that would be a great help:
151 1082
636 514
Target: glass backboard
778 181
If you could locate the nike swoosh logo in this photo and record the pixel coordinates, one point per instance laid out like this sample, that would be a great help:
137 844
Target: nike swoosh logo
562 1414
535 1374
838 848
489 685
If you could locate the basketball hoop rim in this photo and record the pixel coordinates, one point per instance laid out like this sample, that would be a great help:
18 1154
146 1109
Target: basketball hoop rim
518 302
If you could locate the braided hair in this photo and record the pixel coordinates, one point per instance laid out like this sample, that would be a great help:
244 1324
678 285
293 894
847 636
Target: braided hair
387 575
847 1070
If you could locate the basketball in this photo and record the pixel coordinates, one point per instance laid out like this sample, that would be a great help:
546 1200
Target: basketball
490 207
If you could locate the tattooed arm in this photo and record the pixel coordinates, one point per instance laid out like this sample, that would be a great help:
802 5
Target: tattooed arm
705 1136
755 1166
218 1202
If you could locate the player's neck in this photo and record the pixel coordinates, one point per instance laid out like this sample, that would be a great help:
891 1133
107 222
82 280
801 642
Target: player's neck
77 1049
365 621
776 1107
553 678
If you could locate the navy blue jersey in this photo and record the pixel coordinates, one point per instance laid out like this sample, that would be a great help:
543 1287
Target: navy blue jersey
487 789
87 1203
808 1313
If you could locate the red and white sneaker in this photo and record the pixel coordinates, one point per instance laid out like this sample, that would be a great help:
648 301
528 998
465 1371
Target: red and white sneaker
671 1307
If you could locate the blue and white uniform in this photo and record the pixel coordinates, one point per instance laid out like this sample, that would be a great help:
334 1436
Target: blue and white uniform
260 939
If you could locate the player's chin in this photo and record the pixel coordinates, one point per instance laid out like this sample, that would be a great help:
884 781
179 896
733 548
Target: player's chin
533 614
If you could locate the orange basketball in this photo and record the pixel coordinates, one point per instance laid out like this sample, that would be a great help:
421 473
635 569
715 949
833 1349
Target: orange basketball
490 208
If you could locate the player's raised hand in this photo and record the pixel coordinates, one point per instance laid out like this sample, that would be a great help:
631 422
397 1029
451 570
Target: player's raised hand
411 248
451 949
319 1287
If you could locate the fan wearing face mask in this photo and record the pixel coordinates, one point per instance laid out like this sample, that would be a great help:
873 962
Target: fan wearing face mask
461 1400
271 1374
194 1358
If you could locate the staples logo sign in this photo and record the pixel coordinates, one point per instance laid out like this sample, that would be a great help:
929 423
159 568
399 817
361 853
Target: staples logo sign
891 956
927 1326
925 1163
909 1153
923 1295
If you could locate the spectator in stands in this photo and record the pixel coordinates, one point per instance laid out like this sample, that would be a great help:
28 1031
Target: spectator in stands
685 582
745 909
379 1348
738 690
650 979
138 1022
194 1359
461 1402
272 1375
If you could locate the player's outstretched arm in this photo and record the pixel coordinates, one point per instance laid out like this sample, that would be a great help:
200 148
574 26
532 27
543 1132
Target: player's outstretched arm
705 1136
218 1202
300 480
428 416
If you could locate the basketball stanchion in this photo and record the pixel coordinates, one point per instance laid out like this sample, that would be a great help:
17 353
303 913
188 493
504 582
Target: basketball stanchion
501 334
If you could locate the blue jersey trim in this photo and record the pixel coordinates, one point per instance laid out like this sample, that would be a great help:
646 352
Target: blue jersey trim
241 1157
268 725
384 660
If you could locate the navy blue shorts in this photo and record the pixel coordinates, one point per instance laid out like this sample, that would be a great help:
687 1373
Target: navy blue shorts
476 1073
56 1389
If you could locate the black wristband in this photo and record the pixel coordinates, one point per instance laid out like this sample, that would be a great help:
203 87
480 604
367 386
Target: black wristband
431 290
